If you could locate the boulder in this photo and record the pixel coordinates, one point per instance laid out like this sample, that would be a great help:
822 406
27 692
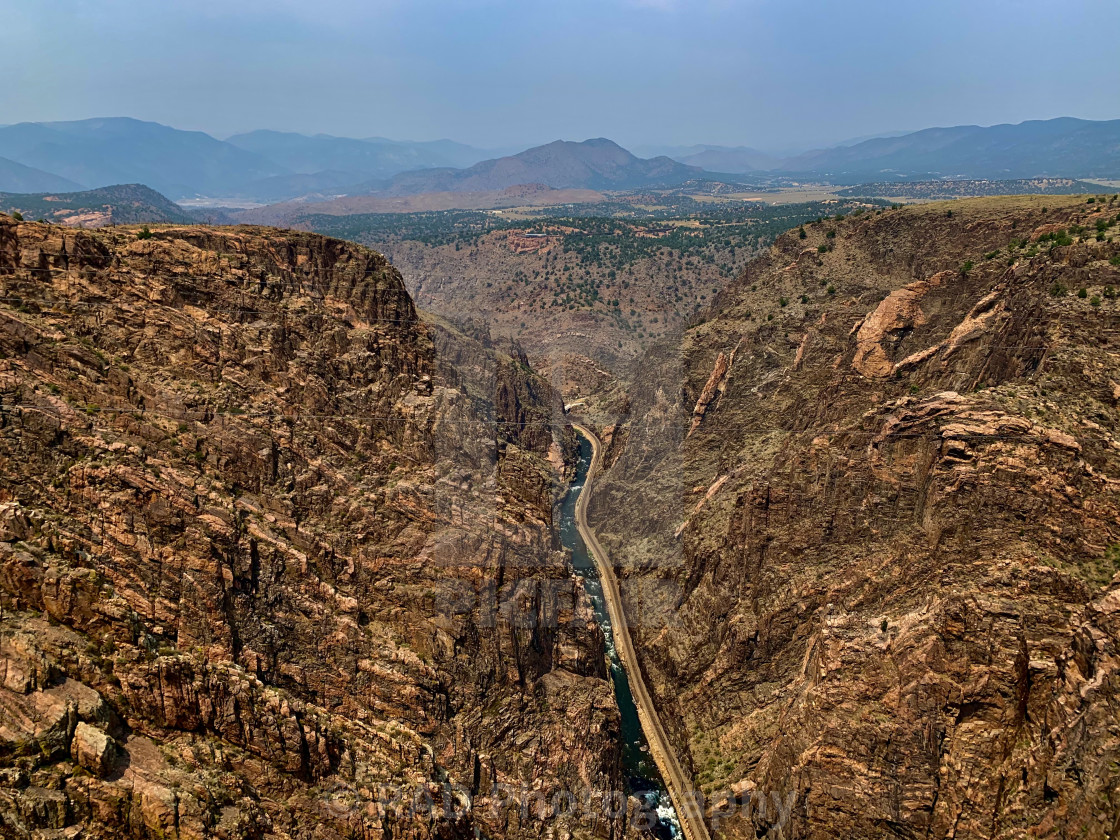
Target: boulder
93 749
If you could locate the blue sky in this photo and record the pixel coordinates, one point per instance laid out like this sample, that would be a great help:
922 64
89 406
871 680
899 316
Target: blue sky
498 73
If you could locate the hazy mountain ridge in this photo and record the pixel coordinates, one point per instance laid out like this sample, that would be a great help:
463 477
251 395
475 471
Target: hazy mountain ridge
100 152
367 159
597 164
1064 147
733 159
273 166
269 165
18 177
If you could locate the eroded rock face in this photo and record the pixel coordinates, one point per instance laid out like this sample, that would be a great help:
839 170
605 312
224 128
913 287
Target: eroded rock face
877 581
268 557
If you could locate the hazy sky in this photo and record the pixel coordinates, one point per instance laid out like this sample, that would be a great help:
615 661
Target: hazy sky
767 73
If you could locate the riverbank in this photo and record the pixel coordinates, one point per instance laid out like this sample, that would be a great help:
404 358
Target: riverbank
661 750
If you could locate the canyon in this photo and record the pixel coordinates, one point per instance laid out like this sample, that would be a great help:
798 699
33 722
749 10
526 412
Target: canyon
865 520
281 555
277 555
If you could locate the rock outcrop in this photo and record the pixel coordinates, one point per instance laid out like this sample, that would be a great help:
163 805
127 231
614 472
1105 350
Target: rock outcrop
875 581
271 565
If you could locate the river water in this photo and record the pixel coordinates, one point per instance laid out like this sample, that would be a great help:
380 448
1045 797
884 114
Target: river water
642 776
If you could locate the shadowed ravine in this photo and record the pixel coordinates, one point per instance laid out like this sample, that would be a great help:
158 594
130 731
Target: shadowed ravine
647 762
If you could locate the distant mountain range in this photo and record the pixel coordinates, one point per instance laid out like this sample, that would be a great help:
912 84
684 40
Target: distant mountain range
598 164
326 164
1063 147
733 159
18 177
374 157
267 165
273 166
99 152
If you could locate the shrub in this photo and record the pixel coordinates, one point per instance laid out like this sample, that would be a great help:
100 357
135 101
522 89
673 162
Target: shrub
831 289
967 267
145 233
804 298
1109 293
830 235
1057 238
18 216
1058 290
822 249
801 234
991 255
1094 301
1083 293
783 301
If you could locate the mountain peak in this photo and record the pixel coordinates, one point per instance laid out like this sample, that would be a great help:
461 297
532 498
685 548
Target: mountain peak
595 164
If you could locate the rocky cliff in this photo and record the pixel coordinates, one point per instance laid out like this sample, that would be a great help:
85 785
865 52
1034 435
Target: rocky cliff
868 517
277 558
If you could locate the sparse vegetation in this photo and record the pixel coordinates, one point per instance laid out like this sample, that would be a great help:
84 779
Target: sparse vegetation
645 268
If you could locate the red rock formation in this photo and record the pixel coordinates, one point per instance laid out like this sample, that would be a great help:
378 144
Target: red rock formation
896 606
268 554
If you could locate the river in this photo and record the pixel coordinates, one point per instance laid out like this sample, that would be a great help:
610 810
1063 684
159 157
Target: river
642 777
